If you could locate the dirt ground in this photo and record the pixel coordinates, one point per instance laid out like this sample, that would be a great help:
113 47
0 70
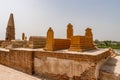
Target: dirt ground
7 73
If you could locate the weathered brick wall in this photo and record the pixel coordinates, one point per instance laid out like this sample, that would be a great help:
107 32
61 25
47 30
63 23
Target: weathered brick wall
61 44
59 68
18 59
64 66
71 56
37 42
4 57
88 74
55 64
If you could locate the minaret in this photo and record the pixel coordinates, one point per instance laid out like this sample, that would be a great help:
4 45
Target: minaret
69 31
10 30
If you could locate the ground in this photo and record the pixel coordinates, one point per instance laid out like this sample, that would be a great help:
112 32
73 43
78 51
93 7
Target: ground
7 73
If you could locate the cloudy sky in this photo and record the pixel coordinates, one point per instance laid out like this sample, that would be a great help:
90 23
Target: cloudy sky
34 17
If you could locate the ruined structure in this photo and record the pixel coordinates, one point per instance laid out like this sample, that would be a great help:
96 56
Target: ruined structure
82 43
58 65
10 31
110 69
53 44
73 43
37 42
10 41
72 58
18 44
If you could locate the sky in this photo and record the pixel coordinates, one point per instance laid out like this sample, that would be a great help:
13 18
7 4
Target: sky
34 17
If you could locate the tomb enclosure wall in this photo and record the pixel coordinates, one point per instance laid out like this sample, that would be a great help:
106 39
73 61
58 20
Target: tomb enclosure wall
18 59
58 65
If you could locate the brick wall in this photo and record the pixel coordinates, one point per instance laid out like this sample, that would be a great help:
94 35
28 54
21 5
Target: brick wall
54 64
63 66
60 44
17 59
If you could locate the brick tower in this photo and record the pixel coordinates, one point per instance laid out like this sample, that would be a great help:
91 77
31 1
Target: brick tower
10 30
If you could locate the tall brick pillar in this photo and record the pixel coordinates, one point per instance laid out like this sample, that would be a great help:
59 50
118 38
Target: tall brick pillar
10 30
89 38
23 36
69 31
50 40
